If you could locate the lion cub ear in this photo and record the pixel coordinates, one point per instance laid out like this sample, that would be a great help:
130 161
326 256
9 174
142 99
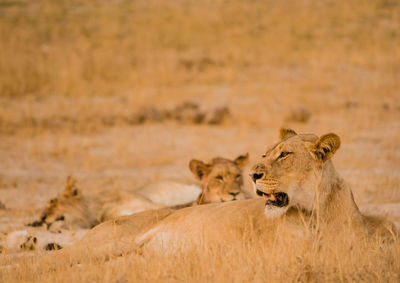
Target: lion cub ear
52 202
71 189
199 168
285 133
326 146
242 160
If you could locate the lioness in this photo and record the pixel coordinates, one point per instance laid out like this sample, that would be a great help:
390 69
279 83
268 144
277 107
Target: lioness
221 180
301 191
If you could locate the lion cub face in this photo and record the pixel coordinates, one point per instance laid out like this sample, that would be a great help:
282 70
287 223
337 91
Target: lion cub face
289 172
66 209
221 179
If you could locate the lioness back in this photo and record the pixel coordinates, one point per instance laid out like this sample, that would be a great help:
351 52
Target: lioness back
114 237
169 193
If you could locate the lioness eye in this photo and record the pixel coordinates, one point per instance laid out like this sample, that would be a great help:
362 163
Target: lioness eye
284 154
219 177
238 176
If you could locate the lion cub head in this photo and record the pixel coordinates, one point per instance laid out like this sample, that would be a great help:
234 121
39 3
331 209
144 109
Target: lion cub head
290 172
221 179
67 209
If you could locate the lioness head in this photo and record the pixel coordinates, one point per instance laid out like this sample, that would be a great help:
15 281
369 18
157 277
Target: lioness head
290 171
221 179
66 209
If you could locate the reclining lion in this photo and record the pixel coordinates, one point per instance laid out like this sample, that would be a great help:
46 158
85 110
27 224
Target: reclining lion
221 180
301 192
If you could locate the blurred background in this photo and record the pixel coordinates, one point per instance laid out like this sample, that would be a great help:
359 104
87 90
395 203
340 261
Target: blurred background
122 93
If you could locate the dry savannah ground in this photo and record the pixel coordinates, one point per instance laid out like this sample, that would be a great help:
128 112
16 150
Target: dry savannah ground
83 83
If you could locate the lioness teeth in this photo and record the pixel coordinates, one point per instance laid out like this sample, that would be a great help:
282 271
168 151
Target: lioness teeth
268 196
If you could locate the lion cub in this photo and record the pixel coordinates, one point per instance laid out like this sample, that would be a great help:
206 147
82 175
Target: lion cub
221 180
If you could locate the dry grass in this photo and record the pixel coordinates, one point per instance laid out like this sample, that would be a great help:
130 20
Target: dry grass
276 259
68 68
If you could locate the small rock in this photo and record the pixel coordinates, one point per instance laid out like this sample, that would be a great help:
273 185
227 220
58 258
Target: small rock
300 115
150 115
219 115
188 112
351 104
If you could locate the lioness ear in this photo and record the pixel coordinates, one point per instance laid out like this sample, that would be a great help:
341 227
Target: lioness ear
199 168
285 133
326 146
242 160
71 189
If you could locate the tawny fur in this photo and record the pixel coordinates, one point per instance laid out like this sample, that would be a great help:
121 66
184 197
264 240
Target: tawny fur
221 180
74 210
319 202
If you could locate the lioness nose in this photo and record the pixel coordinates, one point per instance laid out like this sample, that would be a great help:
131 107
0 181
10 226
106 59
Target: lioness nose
234 193
257 172
256 176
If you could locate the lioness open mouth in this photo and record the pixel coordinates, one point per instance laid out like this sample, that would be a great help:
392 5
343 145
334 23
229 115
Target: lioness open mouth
276 199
